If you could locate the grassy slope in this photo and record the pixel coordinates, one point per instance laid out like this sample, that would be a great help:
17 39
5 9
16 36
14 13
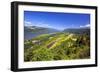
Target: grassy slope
59 46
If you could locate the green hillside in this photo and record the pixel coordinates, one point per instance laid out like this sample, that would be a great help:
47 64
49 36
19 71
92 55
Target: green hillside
57 46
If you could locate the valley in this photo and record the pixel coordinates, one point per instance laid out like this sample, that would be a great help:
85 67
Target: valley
57 46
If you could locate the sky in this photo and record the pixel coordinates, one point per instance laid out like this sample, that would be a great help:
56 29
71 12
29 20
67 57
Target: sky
56 20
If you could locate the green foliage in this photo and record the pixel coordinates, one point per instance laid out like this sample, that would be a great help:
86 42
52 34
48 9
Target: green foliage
59 46
28 55
42 54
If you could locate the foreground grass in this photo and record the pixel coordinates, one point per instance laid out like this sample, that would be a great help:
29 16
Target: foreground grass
58 46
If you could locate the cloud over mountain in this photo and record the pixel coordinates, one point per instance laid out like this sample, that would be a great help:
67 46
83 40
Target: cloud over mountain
87 25
27 23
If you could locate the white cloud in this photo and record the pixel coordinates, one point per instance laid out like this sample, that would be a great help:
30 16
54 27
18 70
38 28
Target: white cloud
27 23
41 24
44 25
88 25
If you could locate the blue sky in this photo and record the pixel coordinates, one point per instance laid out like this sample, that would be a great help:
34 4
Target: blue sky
57 20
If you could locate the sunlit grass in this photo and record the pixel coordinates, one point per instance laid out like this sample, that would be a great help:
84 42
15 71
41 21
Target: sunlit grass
58 46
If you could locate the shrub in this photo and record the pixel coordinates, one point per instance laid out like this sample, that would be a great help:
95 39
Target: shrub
42 54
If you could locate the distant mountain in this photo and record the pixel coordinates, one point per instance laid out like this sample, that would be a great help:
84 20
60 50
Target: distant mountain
85 30
33 31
